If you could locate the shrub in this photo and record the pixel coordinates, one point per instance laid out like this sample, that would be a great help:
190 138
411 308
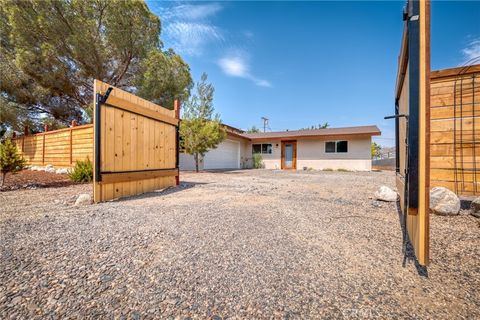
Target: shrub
343 170
257 161
82 172
10 159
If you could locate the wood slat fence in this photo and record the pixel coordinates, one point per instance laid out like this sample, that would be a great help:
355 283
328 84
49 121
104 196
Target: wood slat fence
455 129
136 144
60 148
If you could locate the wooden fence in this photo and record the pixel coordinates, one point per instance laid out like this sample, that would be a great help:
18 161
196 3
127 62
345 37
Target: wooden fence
412 117
60 148
455 129
136 144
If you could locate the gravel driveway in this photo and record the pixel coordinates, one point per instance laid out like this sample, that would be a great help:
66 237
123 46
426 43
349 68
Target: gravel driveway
242 244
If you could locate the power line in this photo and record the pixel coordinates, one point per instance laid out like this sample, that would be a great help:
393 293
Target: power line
265 123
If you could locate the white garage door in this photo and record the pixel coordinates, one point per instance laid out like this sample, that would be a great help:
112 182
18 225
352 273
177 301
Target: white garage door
225 156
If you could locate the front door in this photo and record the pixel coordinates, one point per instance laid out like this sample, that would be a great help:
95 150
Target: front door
289 154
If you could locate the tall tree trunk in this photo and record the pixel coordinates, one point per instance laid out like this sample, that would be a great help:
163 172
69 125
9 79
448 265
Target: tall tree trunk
4 174
196 161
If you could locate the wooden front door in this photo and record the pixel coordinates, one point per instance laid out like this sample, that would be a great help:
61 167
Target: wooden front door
289 154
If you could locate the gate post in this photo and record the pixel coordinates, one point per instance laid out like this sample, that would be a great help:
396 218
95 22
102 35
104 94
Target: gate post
176 107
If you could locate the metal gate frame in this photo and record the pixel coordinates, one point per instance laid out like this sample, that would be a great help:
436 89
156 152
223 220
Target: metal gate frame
415 181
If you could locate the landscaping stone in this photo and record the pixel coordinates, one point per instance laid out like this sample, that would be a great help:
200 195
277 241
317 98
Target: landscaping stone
444 202
386 194
61 171
83 199
475 208
49 168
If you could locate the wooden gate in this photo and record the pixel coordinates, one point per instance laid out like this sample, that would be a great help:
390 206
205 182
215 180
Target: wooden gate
412 117
135 145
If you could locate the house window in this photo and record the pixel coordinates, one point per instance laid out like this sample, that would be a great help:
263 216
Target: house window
265 148
336 146
330 147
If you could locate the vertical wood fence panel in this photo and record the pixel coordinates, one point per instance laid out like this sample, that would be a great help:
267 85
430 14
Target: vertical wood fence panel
136 144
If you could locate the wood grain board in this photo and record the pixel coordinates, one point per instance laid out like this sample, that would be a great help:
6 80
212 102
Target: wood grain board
413 131
59 148
137 145
455 129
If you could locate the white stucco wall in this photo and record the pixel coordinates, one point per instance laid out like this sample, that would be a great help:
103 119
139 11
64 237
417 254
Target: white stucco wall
311 154
187 162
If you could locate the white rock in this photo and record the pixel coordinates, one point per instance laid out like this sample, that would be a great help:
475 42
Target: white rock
444 202
386 194
61 171
83 199
50 169
48 166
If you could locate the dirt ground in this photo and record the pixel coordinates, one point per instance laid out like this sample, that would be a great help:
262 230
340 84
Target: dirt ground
27 179
240 244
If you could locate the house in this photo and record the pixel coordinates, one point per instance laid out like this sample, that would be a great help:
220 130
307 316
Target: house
346 148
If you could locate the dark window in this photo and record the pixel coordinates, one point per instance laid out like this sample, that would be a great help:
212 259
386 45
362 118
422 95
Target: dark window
342 146
266 148
257 148
330 147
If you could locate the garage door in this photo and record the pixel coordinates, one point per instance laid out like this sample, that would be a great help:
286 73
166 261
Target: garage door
225 156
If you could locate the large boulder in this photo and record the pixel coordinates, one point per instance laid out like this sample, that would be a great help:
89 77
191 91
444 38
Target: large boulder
386 194
475 207
83 199
444 202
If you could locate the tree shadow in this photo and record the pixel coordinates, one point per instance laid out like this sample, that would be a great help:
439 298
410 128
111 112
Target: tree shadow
407 247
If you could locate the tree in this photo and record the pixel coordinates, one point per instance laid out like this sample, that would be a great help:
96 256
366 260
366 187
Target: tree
164 78
375 149
10 159
201 129
51 51
316 127
253 129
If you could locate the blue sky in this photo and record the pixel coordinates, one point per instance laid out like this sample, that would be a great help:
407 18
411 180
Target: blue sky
305 63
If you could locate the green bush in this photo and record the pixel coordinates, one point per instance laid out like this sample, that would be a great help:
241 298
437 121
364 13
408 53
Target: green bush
257 161
10 159
82 172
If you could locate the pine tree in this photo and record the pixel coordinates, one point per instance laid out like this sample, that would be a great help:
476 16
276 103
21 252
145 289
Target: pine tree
10 159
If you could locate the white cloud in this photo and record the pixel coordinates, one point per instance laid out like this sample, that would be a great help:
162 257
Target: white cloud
472 51
187 29
192 11
236 65
191 37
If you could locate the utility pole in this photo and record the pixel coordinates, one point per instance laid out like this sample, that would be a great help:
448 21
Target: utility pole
265 123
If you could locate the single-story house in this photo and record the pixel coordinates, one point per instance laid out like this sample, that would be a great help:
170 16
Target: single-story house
346 148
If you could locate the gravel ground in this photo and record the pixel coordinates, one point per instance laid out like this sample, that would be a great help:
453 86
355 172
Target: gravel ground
242 244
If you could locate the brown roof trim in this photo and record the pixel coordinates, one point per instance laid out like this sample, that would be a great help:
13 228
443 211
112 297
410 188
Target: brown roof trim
454 71
238 135
329 132
324 137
